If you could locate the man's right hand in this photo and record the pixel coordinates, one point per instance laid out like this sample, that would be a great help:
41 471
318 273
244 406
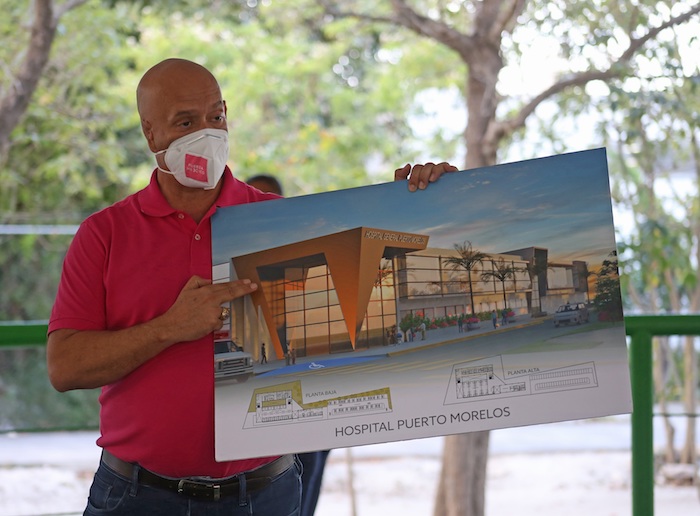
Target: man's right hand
197 309
90 359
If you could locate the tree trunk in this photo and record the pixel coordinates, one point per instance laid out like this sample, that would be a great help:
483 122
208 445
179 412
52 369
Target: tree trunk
351 482
471 292
463 476
691 376
15 99
14 102
661 364
688 452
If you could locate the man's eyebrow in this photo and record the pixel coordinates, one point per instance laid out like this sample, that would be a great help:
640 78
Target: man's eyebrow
183 113
219 104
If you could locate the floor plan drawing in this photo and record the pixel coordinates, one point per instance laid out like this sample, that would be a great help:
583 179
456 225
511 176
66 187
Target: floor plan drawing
488 378
284 404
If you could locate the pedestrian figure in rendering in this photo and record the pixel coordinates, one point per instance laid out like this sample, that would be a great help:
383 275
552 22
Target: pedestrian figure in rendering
263 354
494 318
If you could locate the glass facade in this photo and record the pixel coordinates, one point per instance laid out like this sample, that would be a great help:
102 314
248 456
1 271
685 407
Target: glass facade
313 320
308 317
447 290
381 311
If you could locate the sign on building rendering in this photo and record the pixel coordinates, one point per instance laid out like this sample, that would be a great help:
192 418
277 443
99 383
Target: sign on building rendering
385 315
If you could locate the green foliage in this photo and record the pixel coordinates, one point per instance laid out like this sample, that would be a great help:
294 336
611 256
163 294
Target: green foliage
412 321
65 153
28 402
654 133
31 266
608 299
66 156
294 89
589 36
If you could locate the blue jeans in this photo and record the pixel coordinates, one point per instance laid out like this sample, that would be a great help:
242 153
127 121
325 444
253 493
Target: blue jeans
114 495
311 479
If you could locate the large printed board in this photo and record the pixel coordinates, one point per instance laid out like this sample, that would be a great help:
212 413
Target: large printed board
369 298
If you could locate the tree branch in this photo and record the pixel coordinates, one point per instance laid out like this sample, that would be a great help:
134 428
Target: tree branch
506 19
332 9
14 103
436 30
408 18
498 130
60 10
636 44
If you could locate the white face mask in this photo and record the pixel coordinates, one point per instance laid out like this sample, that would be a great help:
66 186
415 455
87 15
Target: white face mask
198 159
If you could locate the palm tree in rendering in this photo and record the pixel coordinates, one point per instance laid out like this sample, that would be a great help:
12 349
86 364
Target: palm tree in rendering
501 271
467 259
384 272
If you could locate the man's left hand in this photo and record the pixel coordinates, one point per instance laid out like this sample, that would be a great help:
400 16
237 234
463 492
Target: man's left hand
419 176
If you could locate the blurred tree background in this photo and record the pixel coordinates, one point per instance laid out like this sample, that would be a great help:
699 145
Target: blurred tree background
335 94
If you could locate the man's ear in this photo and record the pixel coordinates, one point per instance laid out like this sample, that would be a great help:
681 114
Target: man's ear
147 129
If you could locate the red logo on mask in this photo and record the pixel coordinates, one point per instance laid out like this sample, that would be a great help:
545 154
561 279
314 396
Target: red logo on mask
196 167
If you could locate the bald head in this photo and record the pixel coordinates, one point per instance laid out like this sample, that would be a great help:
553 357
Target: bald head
177 96
168 77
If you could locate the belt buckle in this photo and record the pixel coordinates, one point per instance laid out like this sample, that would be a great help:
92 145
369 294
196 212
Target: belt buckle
184 485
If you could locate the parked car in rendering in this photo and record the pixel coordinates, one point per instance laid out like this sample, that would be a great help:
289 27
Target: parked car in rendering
571 313
231 362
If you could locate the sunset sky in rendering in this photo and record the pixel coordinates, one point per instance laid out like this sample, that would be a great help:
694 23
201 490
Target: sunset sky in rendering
561 203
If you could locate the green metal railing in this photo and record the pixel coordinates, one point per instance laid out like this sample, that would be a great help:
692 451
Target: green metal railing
640 328
30 333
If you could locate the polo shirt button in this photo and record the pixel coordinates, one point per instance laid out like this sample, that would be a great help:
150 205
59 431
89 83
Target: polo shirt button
197 237
180 216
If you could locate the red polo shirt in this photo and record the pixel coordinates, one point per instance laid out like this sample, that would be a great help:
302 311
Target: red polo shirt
125 266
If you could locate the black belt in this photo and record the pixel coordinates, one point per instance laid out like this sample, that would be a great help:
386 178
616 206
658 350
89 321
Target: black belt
198 488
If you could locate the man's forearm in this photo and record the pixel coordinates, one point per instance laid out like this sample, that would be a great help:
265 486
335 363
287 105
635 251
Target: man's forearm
90 359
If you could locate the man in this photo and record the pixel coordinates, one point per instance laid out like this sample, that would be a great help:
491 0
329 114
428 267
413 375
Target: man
265 183
136 309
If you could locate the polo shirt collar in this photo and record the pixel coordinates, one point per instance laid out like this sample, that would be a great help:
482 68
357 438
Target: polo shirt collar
230 190
153 201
